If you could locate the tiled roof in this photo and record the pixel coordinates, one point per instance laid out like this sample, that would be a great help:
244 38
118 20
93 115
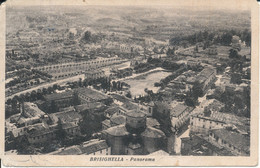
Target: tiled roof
68 125
38 130
119 130
111 110
32 110
178 109
237 140
204 74
87 148
57 96
200 143
153 133
89 106
229 118
92 94
152 122
106 122
67 116
118 119
120 98
93 147
73 150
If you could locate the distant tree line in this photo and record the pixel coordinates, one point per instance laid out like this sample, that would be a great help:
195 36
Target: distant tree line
221 37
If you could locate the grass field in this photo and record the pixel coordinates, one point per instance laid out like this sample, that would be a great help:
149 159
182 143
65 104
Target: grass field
138 84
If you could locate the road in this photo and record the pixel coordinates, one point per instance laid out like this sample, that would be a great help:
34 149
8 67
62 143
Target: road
46 85
178 141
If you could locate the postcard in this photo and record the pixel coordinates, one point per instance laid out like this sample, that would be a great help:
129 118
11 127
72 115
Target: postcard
129 83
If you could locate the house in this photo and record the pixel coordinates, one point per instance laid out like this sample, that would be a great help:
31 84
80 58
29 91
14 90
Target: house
95 110
61 100
68 116
115 120
212 50
95 147
206 78
200 146
94 74
203 124
180 115
71 129
106 124
112 109
213 119
232 141
89 95
40 133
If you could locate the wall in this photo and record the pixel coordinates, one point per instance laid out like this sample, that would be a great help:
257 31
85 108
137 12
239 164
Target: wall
203 125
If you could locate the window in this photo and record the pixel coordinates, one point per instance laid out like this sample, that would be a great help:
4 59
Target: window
101 152
203 126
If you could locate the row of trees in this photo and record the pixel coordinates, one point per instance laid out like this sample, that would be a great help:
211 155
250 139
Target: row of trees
221 37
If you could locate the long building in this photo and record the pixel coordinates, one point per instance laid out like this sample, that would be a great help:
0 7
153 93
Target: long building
64 70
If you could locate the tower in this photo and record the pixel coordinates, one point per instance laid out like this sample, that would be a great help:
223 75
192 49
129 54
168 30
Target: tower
135 122
171 143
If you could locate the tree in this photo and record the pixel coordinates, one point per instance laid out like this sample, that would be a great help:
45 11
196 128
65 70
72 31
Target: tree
226 38
33 95
170 52
76 100
233 53
80 82
155 50
61 133
55 86
87 36
50 90
44 91
8 102
246 36
196 49
206 45
197 90
53 107
128 95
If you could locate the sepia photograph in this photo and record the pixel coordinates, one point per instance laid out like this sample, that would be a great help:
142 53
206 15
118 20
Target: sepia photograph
119 82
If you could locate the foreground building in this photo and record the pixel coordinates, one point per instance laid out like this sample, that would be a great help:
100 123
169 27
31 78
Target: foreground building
236 143
134 137
92 147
